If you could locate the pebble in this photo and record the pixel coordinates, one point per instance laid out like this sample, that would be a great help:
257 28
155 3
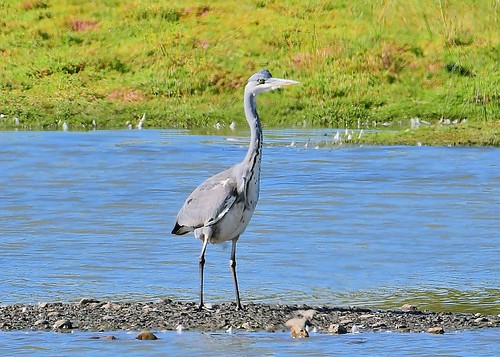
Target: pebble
307 314
298 332
409 307
42 323
146 335
62 325
298 322
439 330
86 301
337 329
111 306
106 338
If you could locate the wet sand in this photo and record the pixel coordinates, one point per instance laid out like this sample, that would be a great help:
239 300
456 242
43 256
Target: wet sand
93 315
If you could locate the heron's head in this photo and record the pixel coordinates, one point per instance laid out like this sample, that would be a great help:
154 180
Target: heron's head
263 81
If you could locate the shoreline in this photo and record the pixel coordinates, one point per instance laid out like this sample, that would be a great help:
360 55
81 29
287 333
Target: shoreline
477 135
100 316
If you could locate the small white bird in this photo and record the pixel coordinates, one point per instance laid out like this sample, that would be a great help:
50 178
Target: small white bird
179 329
139 125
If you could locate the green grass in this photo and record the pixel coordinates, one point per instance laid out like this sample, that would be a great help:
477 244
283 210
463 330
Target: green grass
361 63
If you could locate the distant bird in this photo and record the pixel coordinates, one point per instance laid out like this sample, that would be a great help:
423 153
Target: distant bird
141 121
221 207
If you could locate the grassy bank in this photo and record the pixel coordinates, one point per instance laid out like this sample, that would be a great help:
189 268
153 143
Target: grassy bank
362 64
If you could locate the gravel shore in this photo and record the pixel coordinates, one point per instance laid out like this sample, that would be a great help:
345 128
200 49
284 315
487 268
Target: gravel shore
93 315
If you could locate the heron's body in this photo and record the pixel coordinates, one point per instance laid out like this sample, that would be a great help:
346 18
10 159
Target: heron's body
229 210
221 207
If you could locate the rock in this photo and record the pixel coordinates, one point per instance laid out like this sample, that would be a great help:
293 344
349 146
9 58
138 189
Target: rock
439 330
86 301
366 316
42 323
307 314
53 314
298 332
111 306
270 328
62 325
379 325
246 326
409 307
298 326
345 321
146 335
337 329
297 322
42 305
108 338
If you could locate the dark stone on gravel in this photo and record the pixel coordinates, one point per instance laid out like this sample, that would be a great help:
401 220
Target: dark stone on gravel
92 315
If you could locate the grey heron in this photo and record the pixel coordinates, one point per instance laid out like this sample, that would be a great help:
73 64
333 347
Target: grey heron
220 208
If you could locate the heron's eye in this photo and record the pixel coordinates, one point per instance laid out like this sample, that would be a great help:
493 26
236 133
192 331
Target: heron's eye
261 81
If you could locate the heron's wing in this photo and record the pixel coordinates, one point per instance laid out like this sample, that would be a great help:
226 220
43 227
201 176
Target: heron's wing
208 203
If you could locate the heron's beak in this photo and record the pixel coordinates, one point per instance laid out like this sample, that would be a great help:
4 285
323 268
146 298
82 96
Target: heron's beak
275 83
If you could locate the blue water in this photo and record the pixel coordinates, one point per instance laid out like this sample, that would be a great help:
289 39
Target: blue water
90 214
466 343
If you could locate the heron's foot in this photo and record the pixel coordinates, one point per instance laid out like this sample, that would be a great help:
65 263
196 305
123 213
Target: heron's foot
239 307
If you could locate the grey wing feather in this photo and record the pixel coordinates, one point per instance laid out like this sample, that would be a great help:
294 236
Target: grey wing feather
208 203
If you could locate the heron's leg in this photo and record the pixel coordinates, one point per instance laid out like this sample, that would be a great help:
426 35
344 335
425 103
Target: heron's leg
201 261
232 265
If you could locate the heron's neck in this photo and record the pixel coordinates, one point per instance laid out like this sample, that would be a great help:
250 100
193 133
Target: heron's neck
254 149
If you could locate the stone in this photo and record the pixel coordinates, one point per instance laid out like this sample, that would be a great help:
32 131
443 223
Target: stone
298 332
307 314
62 325
298 322
439 330
146 335
409 307
111 306
86 301
337 329
108 338
345 321
42 323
